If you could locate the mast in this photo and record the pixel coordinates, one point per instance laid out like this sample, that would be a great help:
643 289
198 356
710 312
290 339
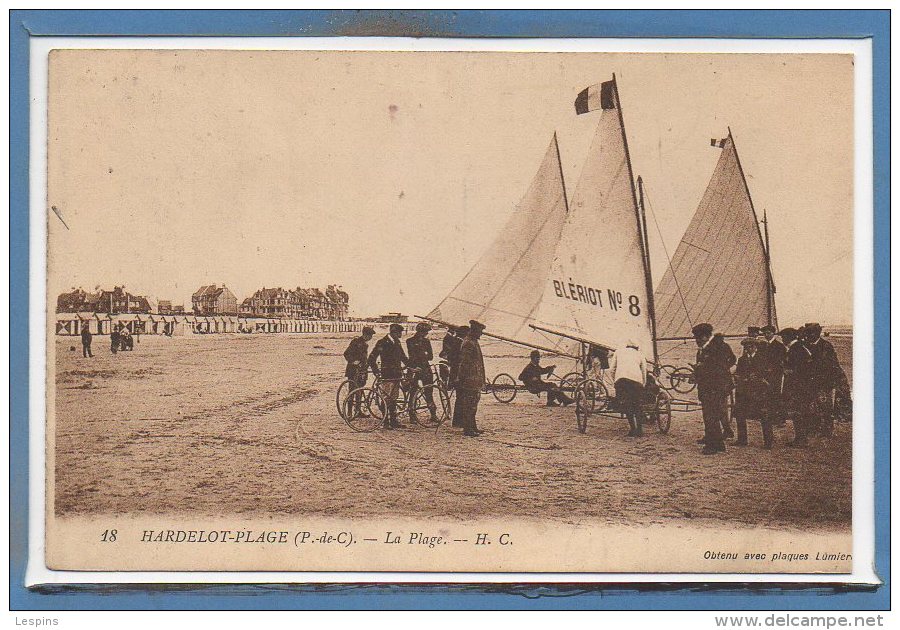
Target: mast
770 298
648 274
770 284
641 222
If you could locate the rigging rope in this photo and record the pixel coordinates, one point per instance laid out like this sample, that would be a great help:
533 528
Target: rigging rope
668 258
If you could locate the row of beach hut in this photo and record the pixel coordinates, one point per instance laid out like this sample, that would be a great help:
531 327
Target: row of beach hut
71 324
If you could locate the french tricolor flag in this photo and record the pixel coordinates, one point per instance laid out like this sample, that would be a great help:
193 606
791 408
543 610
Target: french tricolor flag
596 97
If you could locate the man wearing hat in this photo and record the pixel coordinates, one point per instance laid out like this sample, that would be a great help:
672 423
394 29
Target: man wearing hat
751 392
356 355
531 377
420 354
796 397
453 363
389 352
712 371
774 353
470 379
450 354
825 377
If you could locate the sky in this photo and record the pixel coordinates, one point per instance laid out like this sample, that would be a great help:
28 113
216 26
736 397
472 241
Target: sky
390 173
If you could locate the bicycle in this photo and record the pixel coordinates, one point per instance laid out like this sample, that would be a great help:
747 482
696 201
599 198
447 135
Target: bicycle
414 400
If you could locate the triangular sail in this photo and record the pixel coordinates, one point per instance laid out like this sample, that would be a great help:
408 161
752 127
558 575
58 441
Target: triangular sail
597 289
720 271
504 288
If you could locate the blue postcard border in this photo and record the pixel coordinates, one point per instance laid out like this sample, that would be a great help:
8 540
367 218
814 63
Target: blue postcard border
25 24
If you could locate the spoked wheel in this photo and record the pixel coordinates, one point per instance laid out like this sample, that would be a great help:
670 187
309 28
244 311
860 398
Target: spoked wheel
426 416
342 391
682 380
665 376
570 381
364 409
503 387
586 397
662 412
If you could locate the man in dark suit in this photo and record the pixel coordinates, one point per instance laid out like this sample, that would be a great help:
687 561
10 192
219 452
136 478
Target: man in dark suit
420 354
825 376
356 355
450 345
774 353
386 362
86 338
453 363
471 379
752 392
531 377
797 386
712 371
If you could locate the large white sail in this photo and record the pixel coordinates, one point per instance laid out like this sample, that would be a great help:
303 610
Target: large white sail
597 288
720 271
504 288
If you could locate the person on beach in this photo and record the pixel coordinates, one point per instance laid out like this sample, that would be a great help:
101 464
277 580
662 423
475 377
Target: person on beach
453 363
420 354
531 377
629 374
751 392
450 345
386 362
825 376
86 338
357 369
114 339
774 353
797 386
712 372
471 380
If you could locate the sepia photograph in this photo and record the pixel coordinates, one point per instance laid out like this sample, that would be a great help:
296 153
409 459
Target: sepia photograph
436 311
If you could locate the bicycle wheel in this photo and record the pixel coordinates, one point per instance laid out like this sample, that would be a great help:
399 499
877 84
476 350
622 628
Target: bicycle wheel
665 376
364 409
585 396
683 380
503 387
423 414
342 391
663 414
570 381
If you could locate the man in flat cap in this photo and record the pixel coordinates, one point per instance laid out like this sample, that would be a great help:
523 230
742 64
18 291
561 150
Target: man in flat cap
470 379
774 353
450 354
461 332
387 361
751 392
797 385
712 371
356 355
532 375
825 377
418 348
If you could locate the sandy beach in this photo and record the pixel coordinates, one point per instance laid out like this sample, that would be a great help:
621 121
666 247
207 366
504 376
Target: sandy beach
247 425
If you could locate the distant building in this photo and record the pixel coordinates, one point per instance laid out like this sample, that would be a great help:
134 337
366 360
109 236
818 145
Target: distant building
273 303
393 318
165 307
214 300
299 303
118 300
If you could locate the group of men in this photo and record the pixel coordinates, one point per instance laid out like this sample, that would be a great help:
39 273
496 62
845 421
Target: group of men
464 369
120 339
792 375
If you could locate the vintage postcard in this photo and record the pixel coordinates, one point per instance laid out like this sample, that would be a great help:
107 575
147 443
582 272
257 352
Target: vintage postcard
512 312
